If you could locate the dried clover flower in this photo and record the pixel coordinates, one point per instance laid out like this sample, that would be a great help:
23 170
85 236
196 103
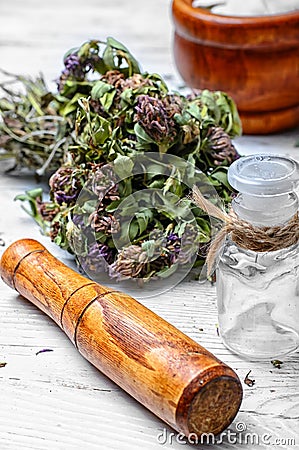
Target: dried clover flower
106 224
103 182
129 263
220 147
47 210
182 250
66 184
76 68
173 246
155 118
97 258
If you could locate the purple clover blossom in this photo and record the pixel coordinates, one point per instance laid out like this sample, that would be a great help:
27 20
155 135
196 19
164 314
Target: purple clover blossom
66 184
78 220
174 247
189 244
98 251
74 68
182 250
98 259
172 237
154 118
72 62
61 197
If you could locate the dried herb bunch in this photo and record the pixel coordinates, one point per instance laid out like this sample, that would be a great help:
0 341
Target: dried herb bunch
111 114
36 124
32 131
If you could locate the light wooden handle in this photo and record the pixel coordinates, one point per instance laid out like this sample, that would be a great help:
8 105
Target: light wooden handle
165 370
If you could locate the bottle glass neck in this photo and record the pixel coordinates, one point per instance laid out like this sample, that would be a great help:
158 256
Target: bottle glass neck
265 211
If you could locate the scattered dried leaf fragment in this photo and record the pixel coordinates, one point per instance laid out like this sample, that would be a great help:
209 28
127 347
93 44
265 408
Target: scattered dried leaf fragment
277 363
248 380
44 350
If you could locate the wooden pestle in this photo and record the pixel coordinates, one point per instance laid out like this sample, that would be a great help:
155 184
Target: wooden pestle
165 370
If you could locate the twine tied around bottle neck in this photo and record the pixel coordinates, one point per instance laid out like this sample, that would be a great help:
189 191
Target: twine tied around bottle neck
243 233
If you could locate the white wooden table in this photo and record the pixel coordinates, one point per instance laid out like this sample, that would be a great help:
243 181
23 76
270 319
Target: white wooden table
57 400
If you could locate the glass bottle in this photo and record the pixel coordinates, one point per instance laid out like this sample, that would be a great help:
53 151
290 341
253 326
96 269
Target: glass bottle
258 292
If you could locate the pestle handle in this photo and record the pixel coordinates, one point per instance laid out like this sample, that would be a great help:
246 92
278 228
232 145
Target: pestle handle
168 372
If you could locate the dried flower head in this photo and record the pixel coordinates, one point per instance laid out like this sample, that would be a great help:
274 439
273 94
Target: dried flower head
66 184
54 230
155 117
189 244
98 257
130 263
47 210
105 223
220 147
103 182
76 68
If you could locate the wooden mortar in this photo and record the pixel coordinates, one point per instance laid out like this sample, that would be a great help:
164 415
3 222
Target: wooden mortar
254 59
165 370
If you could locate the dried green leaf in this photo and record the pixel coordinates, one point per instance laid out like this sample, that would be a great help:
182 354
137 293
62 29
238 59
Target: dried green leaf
220 174
277 363
123 166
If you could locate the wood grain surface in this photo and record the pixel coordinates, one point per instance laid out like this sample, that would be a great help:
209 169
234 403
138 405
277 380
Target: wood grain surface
56 399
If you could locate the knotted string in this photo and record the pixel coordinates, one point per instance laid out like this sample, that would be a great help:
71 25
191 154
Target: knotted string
244 234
